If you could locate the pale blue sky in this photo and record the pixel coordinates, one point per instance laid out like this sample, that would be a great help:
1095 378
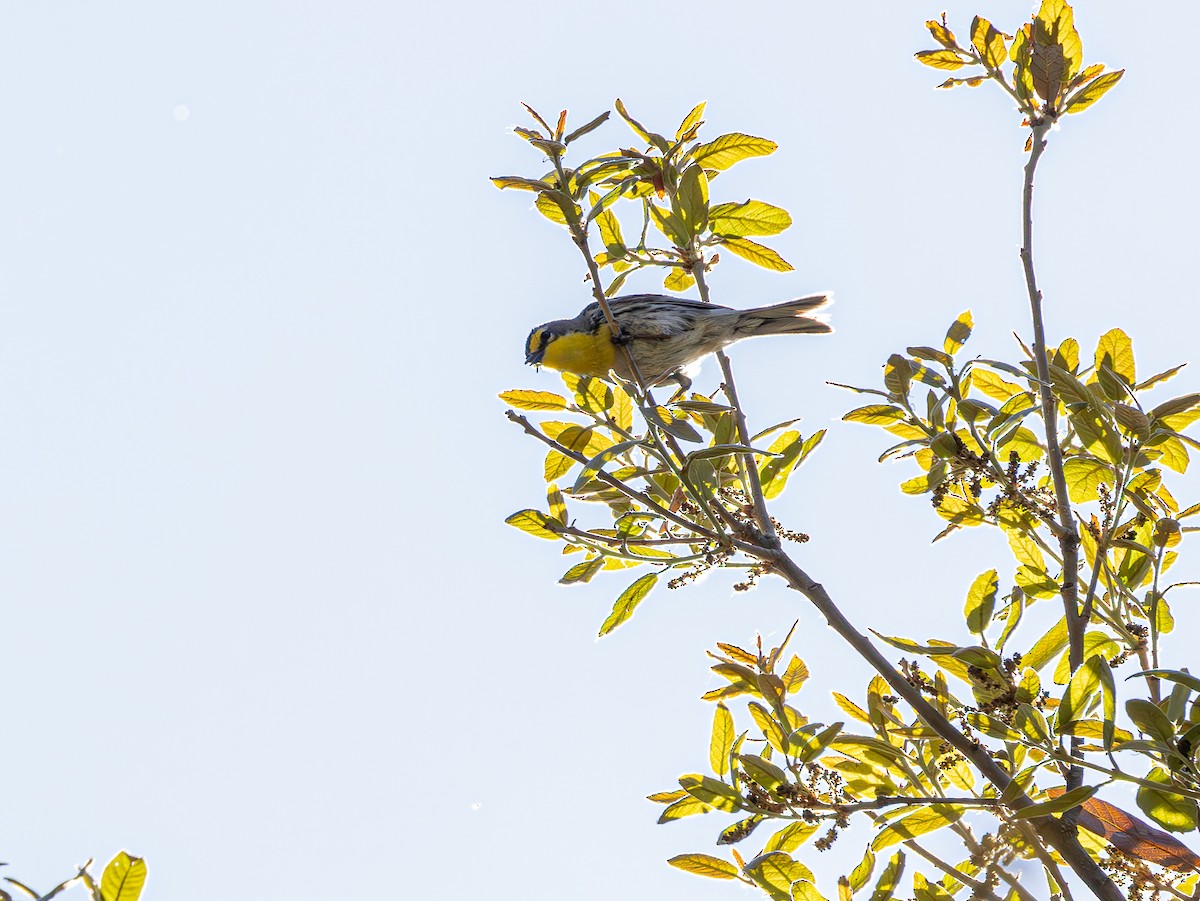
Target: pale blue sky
262 621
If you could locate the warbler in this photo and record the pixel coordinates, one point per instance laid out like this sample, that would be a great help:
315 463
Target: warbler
665 335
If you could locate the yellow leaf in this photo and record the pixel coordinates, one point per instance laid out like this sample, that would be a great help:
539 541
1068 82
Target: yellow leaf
678 279
123 878
533 522
628 601
533 400
721 153
1092 91
705 865
958 333
757 253
989 42
942 59
1115 351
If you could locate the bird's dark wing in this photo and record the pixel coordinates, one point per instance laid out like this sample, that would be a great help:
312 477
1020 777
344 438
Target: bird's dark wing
650 316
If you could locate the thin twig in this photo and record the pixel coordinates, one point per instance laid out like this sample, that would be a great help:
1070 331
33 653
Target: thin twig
753 482
604 477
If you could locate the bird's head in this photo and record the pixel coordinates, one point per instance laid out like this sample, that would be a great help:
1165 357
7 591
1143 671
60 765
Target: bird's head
537 342
569 345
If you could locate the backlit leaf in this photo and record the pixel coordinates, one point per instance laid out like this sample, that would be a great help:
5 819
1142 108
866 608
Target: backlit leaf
1093 91
989 43
927 819
958 333
1115 350
628 601
723 152
533 522
942 59
757 253
751 217
534 400
981 602
123 878
1062 803
1084 476
1174 812
705 865
722 740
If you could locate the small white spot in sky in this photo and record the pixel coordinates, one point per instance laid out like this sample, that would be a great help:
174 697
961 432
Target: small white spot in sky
476 806
182 113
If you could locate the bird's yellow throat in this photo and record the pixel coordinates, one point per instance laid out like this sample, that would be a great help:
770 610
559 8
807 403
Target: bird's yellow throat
582 353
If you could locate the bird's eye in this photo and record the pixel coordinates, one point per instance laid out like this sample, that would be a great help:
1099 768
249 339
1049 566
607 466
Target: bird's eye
546 338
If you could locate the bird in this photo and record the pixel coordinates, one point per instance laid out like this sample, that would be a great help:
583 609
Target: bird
666 336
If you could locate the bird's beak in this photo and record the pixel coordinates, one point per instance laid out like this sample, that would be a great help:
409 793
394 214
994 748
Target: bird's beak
534 357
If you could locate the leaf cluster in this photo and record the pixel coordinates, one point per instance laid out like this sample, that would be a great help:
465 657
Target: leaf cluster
1047 78
677 506
667 181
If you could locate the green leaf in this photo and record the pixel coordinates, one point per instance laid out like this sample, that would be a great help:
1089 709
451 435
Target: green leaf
889 878
705 865
941 34
751 217
762 771
711 791
582 572
690 122
610 233
1115 351
927 820
1061 804
1147 716
876 414
685 807
521 184
533 522
942 59
585 129
992 385
989 43
774 471
1047 646
722 740
123 878
1092 91
628 601
756 253
1084 476
862 872
775 872
1083 685
958 333
1177 412
1097 435
693 198
661 417
679 279
790 837
1172 811
591 394
721 153
1171 675
533 400
655 140
981 601
670 225
1168 450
